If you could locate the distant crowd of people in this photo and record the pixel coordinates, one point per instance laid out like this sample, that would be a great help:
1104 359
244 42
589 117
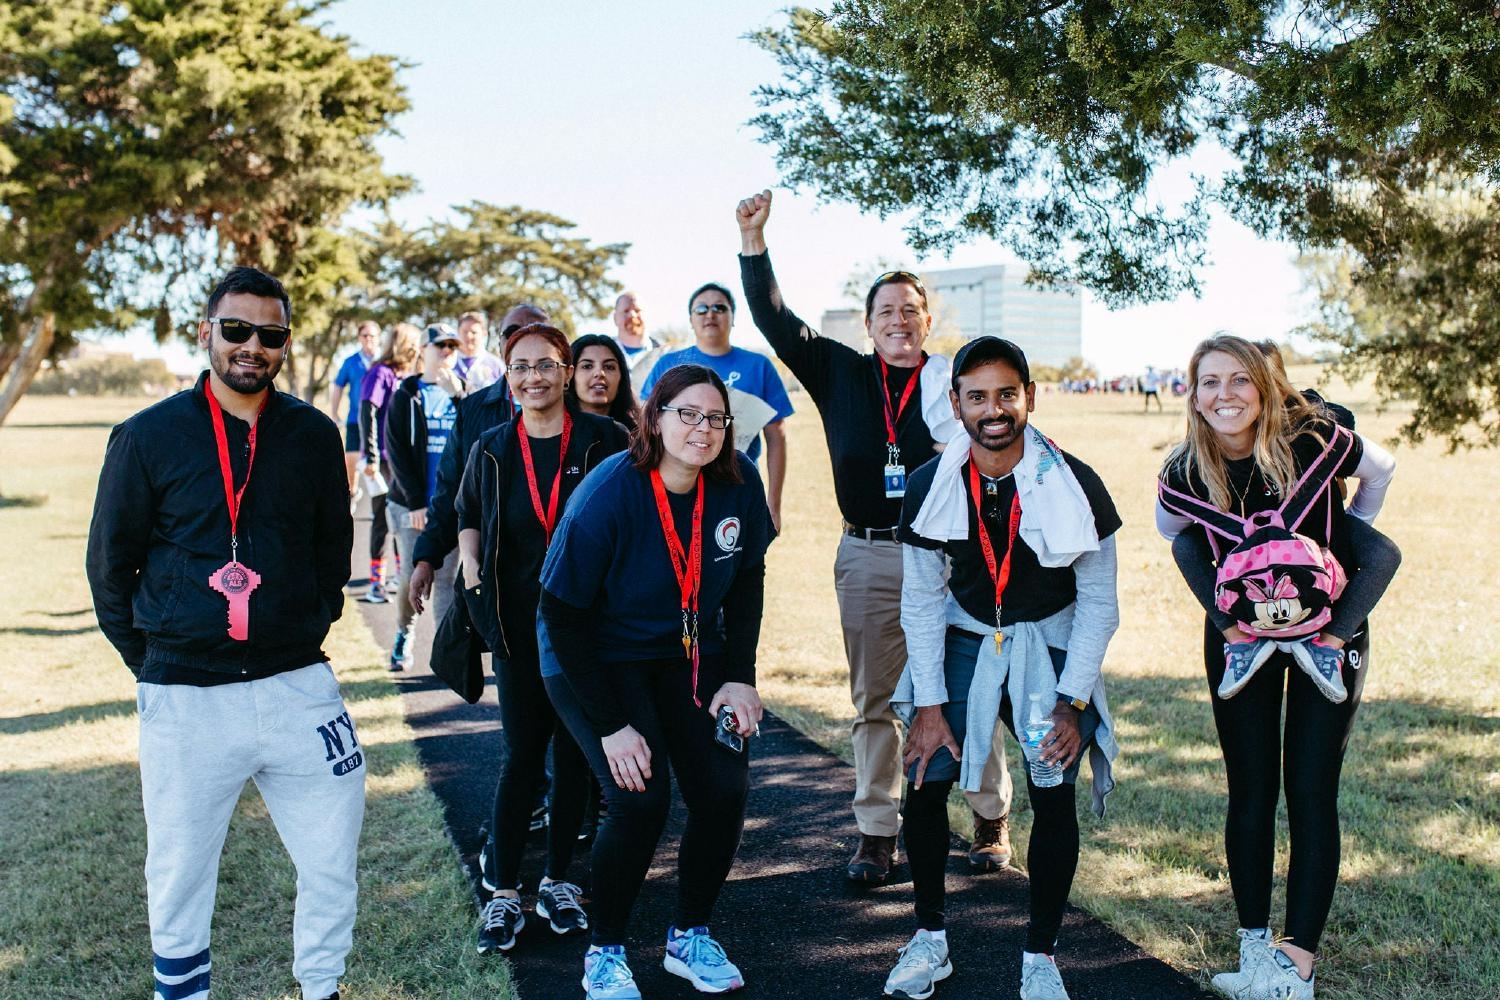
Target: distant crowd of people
594 511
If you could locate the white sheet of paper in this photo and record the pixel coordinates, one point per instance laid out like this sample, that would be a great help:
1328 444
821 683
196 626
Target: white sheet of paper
751 413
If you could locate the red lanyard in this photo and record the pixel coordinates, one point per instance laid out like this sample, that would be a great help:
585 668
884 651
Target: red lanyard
549 516
892 418
686 565
231 496
1001 576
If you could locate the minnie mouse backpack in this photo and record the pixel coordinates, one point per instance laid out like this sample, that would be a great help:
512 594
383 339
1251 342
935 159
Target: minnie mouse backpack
1277 583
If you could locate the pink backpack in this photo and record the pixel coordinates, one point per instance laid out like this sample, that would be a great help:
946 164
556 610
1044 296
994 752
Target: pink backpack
1277 584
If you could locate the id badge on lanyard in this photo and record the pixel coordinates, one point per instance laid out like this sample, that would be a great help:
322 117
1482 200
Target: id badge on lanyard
895 471
895 474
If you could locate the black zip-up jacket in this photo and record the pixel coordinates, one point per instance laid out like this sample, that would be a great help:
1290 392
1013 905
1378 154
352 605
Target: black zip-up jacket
406 445
161 529
483 411
495 499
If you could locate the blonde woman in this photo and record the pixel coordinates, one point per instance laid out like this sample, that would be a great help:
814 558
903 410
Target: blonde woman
397 359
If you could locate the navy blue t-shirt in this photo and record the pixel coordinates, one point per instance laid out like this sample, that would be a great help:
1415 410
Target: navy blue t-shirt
609 554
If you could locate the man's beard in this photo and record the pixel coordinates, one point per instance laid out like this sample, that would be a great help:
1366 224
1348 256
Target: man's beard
244 382
1008 434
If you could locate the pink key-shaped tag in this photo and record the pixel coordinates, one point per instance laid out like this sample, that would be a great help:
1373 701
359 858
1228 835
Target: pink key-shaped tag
235 581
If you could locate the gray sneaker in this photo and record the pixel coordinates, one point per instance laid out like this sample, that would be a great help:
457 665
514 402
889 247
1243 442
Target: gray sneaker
1041 981
1278 980
1255 949
922 965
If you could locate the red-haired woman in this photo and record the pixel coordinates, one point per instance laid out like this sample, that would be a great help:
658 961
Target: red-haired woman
517 481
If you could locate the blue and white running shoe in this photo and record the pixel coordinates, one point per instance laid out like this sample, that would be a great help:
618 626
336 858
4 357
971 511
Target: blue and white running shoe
698 958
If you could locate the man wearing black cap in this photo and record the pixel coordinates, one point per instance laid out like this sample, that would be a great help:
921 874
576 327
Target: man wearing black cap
217 557
1008 606
879 413
422 414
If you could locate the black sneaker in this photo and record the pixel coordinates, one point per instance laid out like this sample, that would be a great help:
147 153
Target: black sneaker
558 903
503 920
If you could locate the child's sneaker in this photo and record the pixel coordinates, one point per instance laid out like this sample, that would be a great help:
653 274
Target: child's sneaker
606 976
1278 979
1255 949
698 958
1241 661
1324 664
557 903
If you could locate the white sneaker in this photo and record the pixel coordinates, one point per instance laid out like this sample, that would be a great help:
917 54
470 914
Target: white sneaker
1278 979
1040 980
1255 949
922 965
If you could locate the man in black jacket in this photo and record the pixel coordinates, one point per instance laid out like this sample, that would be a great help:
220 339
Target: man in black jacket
217 557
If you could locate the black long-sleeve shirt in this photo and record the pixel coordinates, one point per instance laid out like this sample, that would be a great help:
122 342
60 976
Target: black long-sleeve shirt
847 388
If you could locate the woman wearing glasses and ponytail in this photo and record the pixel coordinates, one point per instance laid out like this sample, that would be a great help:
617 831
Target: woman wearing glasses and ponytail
650 614
516 483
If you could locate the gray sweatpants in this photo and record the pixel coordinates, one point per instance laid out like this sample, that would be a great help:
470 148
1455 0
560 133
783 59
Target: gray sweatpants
292 736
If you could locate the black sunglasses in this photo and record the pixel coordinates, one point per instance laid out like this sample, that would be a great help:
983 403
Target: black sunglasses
272 336
704 308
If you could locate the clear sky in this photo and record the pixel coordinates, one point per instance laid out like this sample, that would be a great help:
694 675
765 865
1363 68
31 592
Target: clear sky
629 120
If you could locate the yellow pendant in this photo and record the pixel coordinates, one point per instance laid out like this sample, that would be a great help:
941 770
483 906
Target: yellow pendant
998 640
687 645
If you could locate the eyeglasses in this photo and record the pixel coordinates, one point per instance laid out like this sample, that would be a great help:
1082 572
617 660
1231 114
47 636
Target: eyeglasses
546 367
446 345
905 277
704 308
272 336
692 417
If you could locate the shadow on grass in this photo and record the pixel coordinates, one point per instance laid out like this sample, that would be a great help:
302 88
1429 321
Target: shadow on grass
25 500
47 632
15 725
63 614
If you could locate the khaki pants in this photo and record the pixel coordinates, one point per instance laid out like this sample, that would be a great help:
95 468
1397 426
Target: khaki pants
867 580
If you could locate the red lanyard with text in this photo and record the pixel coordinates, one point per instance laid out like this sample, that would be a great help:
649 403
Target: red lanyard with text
687 565
1000 575
893 417
234 579
231 496
548 517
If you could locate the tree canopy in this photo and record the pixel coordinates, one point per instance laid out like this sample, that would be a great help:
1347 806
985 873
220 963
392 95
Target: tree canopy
1047 124
134 132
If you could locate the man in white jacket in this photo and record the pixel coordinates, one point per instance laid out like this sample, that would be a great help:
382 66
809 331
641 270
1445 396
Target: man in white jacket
1008 603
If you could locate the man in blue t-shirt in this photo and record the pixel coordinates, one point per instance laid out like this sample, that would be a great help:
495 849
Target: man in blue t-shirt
346 382
711 311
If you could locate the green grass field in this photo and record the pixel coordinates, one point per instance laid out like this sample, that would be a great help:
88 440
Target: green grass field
1414 916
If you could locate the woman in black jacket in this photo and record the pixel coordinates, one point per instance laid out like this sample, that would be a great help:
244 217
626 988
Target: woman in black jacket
517 481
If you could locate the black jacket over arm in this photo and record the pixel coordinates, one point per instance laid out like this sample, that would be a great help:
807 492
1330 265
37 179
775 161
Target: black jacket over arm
486 409
161 528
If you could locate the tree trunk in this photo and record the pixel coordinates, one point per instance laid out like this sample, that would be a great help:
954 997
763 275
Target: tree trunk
9 352
31 358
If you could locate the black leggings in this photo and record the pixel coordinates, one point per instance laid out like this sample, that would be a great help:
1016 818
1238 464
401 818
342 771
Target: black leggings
657 698
1250 736
378 527
528 723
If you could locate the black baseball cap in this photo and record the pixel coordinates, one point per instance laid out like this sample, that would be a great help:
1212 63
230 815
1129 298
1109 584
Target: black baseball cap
985 350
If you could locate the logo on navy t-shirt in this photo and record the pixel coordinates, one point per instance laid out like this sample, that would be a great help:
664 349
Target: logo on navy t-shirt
727 533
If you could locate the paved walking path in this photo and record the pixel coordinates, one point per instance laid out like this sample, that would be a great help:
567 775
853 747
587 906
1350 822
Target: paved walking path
787 917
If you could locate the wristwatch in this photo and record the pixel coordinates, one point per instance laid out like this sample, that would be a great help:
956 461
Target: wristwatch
1077 703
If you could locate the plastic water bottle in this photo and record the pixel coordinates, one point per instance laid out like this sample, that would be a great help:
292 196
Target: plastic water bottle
1038 725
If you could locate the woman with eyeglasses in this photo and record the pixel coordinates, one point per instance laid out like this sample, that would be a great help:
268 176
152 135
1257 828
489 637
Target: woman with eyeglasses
649 619
601 378
516 483
402 347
